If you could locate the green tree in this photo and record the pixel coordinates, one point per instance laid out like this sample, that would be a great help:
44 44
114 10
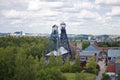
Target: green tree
76 66
7 57
52 61
42 63
25 68
50 74
85 44
66 67
91 65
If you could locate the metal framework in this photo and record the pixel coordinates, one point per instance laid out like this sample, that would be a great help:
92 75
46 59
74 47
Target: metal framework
64 39
55 42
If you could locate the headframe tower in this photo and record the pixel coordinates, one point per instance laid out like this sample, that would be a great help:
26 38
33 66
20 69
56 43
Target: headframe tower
64 39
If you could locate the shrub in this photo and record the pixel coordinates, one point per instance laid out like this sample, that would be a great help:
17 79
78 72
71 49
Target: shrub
106 77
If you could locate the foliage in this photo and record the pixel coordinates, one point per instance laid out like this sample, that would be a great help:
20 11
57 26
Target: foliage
91 66
16 62
85 44
66 67
80 76
108 44
34 46
15 65
7 57
55 61
106 77
25 68
118 77
76 66
50 74
50 70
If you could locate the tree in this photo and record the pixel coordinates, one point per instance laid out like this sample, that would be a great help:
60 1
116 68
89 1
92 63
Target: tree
91 65
76 66
66 67
50 70
25 68
50 74
7 65
85 44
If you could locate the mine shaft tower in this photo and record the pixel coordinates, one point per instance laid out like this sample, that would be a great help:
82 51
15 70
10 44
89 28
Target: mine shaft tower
64 39
55 42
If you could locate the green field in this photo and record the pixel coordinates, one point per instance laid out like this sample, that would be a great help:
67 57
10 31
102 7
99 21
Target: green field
83 76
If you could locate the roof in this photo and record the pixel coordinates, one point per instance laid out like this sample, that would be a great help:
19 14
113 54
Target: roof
88 53
60 51
113 53
91 48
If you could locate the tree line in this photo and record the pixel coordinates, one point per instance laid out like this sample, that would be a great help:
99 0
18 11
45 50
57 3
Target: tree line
109 44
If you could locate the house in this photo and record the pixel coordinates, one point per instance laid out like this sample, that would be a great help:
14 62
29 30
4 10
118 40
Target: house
113 62
88 52
113 54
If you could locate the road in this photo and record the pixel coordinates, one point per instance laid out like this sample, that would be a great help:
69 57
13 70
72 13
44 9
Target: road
103 68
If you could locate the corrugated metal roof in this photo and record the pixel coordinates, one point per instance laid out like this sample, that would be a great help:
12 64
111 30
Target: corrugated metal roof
60 51
113 53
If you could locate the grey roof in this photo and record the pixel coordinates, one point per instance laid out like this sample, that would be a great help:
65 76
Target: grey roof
88 53
113 53
91 48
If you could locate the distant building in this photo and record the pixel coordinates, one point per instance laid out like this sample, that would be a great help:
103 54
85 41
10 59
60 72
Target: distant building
17 33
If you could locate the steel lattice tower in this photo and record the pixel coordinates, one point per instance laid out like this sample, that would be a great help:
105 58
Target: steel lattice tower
64 39
53 43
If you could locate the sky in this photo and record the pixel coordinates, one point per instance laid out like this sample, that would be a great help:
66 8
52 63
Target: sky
81 16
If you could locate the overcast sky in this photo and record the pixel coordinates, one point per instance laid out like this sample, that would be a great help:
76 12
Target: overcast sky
80 16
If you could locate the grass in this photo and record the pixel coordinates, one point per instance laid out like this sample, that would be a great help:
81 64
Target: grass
88 76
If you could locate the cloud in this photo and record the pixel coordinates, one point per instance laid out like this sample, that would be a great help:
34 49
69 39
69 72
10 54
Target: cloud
81 16
12 2
115 11
37 4
16 22
85 5
87 14
28 14
108 2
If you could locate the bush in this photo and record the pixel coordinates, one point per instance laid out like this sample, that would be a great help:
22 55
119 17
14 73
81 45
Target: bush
76 66
106 77
66 67
91 66
51 74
